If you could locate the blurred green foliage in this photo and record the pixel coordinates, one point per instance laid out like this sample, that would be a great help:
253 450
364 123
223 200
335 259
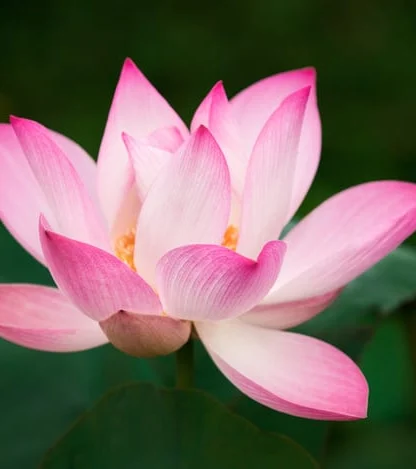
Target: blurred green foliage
59 65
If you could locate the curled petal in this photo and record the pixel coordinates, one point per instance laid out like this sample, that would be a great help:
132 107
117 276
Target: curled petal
207 282
288 372
96 282
42 318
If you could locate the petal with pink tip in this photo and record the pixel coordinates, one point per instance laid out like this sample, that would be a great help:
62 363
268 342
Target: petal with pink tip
252 108
288 372
21 198
96 282
287 315
42 318
215 113
147 162
189 202
343 237
74 213
207 282
270 175
137 109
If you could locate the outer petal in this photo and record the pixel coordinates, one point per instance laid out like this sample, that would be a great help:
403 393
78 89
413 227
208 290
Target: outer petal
147 162
270 175
215 113
206 282
21 198
288 372
74 213
252 108
286 315
344 236
137 109
42 318
97 282
188 203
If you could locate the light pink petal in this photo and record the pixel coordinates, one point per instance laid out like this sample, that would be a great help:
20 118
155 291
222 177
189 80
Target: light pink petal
188 203
82 162
96 282
147 162
286 315
288 372
343 237
137 109
253 106
270 175
21 198
216 114
42 318
73 211
207 282
166 138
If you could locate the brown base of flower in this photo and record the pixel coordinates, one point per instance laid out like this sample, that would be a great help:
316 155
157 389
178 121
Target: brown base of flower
145 336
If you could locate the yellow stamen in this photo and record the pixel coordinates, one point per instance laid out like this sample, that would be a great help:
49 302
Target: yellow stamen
230 238
124 248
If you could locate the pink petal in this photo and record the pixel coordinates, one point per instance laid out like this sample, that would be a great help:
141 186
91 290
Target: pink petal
42 318
207 282
288 372
188 203
270 175
146 336
215 113
287 315
343 237
21 198
147 163
73 211
137 109
166 138
253 107
96 282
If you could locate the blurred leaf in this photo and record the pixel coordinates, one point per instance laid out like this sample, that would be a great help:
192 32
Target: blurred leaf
141 426
375 447
42 393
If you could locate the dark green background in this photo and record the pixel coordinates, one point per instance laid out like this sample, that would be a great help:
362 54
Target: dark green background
59 65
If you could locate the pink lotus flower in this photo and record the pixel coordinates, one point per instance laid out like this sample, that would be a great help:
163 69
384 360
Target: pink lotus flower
171 228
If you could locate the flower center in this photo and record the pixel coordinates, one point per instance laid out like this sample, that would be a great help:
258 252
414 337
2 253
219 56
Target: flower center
230 238
124 248
124 245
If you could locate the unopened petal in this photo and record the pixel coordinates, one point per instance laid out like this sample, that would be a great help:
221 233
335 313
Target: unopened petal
207 282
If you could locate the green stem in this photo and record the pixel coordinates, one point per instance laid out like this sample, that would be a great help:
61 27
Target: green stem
185 365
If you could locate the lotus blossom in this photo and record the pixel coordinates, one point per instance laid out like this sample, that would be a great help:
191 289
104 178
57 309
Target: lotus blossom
174 229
